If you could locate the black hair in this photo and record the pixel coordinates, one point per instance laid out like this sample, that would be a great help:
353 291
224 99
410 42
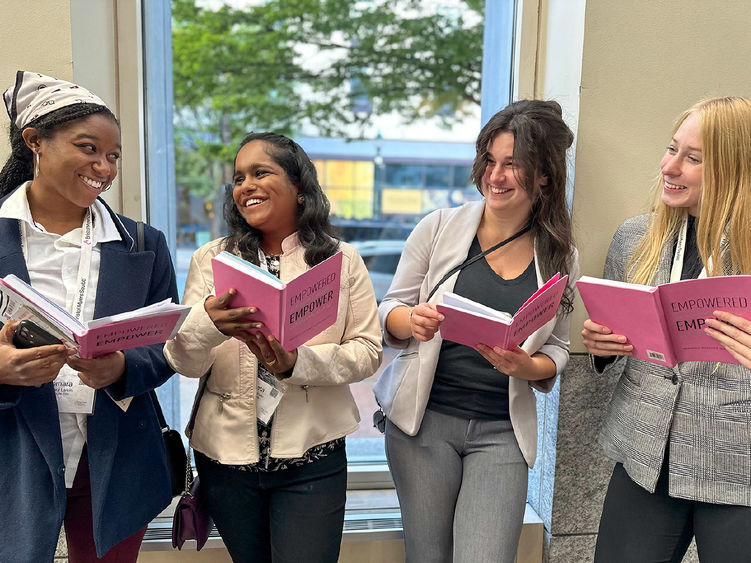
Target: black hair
314 230
20 164
541 139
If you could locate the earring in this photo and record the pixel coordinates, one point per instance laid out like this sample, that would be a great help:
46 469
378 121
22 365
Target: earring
36 164
300 199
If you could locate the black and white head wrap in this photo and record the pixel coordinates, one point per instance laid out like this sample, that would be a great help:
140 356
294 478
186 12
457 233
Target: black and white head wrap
34 95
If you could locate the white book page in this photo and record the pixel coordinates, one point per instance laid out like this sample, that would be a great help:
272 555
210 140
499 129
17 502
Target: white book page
463 304
615 283
166 306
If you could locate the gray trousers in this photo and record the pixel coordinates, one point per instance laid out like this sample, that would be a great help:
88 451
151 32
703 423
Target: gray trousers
462 487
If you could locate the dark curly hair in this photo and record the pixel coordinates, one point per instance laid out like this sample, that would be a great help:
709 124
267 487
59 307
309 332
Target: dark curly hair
20 164
314 229
541 139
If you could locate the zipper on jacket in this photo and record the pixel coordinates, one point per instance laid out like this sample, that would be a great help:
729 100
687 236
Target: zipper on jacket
305 388
222 397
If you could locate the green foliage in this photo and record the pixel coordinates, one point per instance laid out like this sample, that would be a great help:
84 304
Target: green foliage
332 63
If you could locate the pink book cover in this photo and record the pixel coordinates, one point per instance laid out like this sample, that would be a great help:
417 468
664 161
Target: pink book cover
293 312
472 324
146 326
688 303
631 310
665 324
127 334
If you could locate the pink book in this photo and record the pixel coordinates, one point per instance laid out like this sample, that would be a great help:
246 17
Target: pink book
293 312
152 324
470 323
665 324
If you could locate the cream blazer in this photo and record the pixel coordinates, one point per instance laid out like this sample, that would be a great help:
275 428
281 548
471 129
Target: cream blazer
317 406
438 243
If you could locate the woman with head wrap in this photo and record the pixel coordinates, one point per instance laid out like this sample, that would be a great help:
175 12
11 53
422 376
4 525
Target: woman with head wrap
96 463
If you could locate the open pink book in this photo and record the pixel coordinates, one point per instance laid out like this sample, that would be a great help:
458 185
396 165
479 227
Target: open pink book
470 323
665 324
152 324
293 312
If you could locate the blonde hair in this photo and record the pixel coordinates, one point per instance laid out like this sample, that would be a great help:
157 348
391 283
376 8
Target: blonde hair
725 204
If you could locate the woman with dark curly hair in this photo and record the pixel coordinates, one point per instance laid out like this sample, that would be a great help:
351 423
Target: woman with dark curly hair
462 424
96 461
276 486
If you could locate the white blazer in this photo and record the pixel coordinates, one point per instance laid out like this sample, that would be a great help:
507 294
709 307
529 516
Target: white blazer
438 243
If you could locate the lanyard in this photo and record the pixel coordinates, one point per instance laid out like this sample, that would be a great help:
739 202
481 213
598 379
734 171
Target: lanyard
680 250
476 257
84 263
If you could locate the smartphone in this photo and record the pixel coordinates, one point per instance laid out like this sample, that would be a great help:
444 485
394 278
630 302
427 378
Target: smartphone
29 335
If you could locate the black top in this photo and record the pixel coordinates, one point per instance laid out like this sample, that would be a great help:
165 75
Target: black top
465 383
692 264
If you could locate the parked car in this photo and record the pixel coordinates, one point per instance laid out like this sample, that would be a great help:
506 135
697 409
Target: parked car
381 258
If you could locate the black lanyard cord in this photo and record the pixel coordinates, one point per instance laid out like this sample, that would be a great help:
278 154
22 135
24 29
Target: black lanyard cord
476 257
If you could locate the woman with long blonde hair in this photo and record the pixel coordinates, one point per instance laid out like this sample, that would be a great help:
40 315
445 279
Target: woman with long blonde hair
680 436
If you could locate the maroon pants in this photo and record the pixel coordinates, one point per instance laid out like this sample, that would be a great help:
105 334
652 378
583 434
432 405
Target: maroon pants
79 527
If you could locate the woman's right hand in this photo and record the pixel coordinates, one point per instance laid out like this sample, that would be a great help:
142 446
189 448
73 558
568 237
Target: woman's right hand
424 321
600 341
28 366
232 322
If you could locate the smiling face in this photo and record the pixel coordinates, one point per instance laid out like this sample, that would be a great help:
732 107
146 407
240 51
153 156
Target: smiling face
263 193
682 167
502 182
77 163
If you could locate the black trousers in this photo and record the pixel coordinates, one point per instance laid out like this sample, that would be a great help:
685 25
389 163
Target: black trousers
642 527
286 516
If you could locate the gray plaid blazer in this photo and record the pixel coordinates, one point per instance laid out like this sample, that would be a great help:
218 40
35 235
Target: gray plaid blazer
705 415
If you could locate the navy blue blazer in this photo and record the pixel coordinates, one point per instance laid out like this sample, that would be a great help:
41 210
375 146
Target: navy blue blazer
129 478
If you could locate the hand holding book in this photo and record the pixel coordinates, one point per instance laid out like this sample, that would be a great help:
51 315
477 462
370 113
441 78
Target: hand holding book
29 366
734 333
599 340
231 321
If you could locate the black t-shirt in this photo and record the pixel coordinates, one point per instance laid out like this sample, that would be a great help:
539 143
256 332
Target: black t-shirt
692 264
465 383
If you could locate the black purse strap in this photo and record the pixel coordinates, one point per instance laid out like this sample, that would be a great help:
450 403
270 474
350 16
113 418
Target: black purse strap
154 399
476 257
196 402
159 414
140 236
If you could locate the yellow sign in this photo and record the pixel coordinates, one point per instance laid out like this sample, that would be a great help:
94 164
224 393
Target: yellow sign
401 201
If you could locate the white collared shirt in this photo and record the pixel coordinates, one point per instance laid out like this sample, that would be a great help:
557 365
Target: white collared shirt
52 261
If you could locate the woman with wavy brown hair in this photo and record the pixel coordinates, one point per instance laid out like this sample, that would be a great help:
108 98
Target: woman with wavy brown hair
461 425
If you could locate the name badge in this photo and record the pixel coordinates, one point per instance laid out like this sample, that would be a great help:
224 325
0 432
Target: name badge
72 394
269 391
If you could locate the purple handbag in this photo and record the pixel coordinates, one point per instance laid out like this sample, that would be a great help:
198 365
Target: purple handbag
192 520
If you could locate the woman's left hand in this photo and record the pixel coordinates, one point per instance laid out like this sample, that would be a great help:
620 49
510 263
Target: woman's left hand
517 363
99 372
734 333
270 353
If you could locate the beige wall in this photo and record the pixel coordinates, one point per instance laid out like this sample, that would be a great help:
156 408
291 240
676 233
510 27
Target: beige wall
38 41
643 63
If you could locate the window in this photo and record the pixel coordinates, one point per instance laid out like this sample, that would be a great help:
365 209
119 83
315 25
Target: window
391 142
